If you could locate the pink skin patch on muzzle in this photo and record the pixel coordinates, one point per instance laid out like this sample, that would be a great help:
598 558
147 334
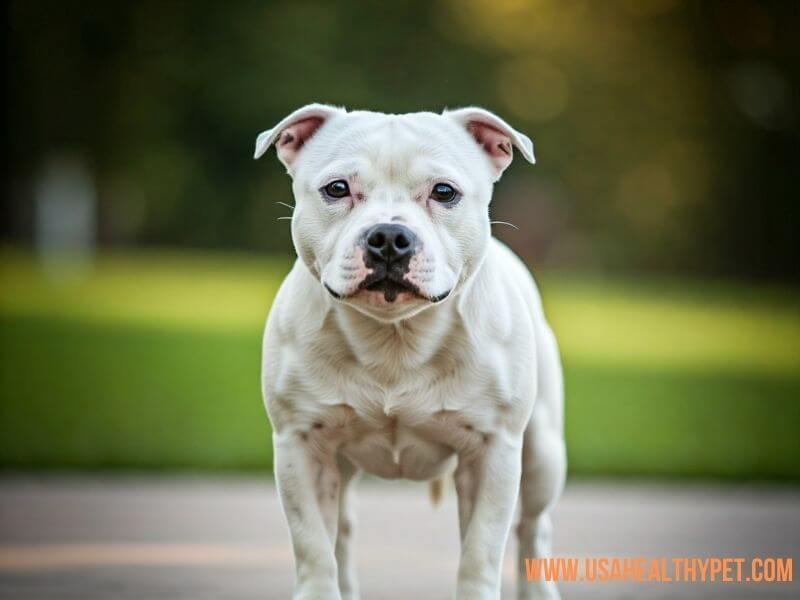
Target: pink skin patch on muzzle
354 271
420 271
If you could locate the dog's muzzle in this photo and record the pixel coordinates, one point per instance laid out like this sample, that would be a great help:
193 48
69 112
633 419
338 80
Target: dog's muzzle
389 248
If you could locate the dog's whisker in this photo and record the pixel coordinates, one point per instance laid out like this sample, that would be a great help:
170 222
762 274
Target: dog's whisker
286 204
504 223
285 218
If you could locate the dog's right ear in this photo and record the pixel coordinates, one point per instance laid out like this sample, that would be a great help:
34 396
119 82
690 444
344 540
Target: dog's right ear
494 135
294 131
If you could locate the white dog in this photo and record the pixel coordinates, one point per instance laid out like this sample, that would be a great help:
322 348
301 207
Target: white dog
407 342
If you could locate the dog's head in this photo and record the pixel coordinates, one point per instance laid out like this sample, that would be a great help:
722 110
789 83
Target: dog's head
391 211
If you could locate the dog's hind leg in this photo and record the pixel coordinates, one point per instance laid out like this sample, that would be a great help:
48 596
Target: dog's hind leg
345 546
543 469
543 472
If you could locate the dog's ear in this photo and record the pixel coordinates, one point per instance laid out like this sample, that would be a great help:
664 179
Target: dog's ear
294 131
494 135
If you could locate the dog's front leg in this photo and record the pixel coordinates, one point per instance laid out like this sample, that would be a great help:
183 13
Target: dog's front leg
345 551
308 483
493 474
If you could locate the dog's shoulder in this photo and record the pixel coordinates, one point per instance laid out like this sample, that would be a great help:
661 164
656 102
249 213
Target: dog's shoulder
299 308
503 294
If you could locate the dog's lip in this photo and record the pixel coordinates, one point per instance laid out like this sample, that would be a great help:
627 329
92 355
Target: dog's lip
332 292
388 281
390 287
406 287
440 297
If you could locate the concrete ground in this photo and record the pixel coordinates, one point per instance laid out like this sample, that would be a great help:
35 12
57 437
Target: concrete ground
175 538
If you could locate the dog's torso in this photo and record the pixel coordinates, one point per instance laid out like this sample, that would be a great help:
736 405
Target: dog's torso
399 400
407 342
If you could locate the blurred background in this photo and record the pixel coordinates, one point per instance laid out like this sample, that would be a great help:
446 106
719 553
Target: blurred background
141 245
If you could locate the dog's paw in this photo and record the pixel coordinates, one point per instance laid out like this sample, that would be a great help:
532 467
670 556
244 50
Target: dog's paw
541 591
317 595
317 591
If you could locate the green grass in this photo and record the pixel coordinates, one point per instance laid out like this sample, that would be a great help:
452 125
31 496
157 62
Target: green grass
151 360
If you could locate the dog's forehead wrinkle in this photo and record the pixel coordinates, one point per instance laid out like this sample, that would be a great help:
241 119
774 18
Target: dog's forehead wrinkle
407 147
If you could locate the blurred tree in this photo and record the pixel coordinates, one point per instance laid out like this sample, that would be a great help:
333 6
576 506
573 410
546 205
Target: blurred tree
667 131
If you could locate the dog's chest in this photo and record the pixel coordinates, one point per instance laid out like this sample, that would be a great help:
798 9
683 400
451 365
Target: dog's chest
395 448
410 430
396 404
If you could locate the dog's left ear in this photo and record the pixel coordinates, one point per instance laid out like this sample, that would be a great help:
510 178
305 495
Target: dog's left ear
494 135
293 131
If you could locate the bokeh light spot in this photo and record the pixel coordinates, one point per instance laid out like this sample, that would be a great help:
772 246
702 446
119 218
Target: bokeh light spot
533 89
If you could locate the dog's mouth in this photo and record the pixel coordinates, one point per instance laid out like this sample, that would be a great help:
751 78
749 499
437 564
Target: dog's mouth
391 285
391 288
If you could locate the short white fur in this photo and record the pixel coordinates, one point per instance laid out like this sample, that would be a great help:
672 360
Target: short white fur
419 389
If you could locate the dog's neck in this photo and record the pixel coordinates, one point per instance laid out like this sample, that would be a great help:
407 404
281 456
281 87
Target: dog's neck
405 344
399 348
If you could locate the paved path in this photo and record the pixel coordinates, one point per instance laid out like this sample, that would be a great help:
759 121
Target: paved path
177 538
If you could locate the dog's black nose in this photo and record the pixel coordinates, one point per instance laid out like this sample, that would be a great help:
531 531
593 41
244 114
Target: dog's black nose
390 242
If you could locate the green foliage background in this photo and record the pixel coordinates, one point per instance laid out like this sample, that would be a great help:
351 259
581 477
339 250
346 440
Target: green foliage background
661 216
666 130
152 361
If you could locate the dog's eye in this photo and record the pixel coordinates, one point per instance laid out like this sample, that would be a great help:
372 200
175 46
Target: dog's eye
443 192
336 189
